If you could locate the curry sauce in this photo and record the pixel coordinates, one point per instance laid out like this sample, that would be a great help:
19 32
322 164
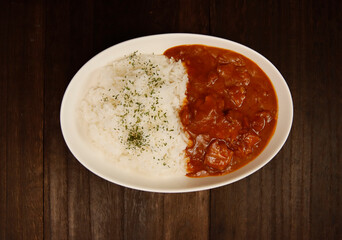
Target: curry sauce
230 111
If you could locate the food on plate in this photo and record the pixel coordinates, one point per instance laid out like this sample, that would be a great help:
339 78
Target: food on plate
230 112
196 111
130 112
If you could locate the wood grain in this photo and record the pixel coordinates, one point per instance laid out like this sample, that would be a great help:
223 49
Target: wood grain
56 155
325 209
106 209
4 15
186 216
45 193
24 123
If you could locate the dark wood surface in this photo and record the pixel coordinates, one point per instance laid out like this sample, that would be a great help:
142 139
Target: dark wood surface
45 193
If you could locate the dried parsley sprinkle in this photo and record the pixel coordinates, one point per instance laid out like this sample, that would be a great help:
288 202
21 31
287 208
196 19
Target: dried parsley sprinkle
142 114
136 138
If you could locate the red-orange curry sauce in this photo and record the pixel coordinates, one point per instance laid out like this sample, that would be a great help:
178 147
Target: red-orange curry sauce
230 112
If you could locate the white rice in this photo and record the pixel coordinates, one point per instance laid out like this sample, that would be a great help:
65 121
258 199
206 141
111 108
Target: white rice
131 114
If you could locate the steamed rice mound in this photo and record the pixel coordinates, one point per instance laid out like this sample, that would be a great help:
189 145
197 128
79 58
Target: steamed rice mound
130 113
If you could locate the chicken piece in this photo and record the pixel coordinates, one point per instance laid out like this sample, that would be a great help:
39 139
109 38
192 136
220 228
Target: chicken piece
218 155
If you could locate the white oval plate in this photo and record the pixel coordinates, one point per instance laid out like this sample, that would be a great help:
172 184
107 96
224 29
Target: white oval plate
95 162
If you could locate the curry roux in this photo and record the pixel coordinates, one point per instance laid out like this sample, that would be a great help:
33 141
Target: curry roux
230 112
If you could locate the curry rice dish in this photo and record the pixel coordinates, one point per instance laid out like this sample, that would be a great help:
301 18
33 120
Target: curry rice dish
196 111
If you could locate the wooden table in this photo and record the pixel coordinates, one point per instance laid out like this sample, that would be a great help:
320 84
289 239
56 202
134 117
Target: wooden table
45 193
